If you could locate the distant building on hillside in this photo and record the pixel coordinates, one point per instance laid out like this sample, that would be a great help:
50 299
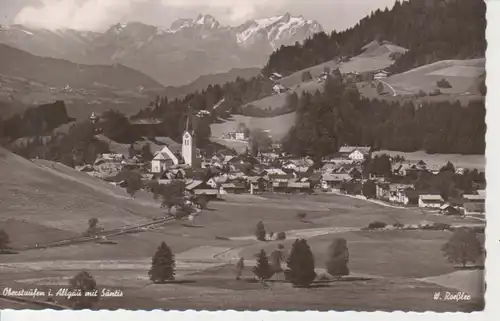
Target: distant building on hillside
430 201
279 89
357 153
381 75
275 76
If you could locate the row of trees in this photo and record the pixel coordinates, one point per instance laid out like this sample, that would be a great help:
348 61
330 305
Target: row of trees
431 31
325 121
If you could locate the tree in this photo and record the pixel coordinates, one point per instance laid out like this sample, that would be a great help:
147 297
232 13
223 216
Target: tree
93 229
172 194
133 182
369 189
84 284
301 216
276 258
240 266
449 167
338 257
301 264
202 201
146 153
263 269
163 265
462 247
260 231
443 83
131 151
4 240
306 76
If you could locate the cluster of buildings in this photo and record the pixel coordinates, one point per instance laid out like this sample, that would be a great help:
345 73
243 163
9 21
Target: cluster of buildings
226 172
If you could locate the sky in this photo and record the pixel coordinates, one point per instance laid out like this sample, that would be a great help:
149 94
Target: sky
98 15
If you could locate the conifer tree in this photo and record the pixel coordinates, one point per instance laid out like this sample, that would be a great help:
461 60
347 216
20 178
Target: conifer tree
85 284
301 264
260 231
338 257
163 265
263 269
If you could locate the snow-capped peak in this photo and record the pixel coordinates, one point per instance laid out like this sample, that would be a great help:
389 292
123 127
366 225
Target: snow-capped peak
204 21
277 30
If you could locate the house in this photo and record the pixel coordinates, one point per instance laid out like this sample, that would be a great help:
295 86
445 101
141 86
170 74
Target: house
110 157
380 75
448 209
334 181
275 76
299 187
397 193
237 187
474 198
278 88
355 153
474 208
198 187
166 157
430 201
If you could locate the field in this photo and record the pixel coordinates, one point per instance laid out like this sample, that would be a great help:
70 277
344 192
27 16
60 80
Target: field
390 270
464 161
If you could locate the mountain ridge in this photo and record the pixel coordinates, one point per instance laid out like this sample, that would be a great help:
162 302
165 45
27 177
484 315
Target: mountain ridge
173 56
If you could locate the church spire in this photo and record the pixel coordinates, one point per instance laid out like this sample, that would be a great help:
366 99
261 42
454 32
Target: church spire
189 125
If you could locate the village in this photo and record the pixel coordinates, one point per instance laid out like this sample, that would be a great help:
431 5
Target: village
349 172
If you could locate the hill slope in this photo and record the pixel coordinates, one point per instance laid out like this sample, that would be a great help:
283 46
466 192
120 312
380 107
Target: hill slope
51 195
59 73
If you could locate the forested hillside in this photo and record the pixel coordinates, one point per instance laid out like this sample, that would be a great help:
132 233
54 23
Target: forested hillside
431 30
325 121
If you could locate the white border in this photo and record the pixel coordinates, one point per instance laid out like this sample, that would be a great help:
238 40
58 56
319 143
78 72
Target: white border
492 239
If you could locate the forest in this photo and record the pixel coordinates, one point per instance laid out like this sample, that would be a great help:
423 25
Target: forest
431 30
338 116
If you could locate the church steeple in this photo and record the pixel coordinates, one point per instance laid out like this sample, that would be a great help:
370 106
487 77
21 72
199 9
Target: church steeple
189 143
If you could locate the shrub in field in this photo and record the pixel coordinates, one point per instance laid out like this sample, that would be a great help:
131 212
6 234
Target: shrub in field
398 225
163 265
443 83
281 236
260 231
301 215
376 225
263 269
338 258
301 264
4 240
463 247
83 282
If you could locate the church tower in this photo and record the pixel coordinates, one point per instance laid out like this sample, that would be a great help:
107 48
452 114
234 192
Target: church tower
188 144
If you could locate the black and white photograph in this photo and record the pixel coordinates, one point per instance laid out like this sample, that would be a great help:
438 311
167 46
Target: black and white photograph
279 155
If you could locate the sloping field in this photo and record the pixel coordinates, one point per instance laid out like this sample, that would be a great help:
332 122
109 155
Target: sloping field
278 126
374 57
461 74
465 161
58 197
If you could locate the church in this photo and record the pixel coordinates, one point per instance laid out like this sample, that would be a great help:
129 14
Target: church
185 153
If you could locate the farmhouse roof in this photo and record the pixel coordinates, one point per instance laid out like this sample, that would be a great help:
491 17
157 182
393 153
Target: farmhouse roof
350 149
431 198
331 177
474 197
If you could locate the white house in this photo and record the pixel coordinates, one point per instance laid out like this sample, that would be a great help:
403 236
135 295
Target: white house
164 159
430 201
380 75
355 153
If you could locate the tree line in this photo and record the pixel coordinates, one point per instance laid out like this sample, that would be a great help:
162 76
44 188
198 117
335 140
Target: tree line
341 116
431 31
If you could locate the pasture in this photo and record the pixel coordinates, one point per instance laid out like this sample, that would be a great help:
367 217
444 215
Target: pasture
462 161
387 267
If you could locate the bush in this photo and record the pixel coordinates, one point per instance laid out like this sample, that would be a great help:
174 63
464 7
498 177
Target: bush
301 215
260 231
301 264
163 265
436 92
4 240
443 83
376 225
281 236
306 76
398 225
83 282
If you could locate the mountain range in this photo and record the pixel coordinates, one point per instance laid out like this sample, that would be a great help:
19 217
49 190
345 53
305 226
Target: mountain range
175 56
